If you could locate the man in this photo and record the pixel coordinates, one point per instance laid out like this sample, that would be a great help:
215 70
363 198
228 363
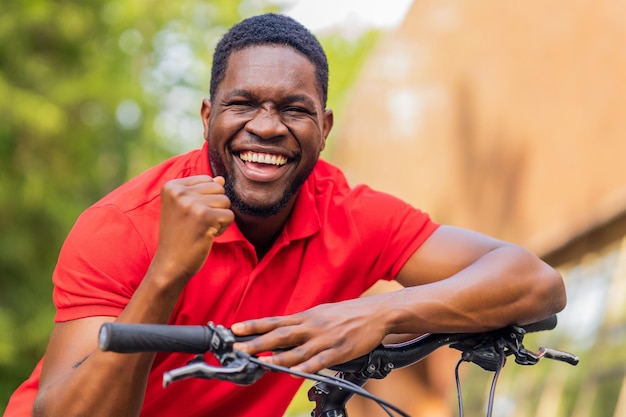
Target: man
253 231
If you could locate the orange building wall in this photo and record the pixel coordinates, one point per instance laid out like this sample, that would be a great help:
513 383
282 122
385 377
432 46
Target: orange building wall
504 117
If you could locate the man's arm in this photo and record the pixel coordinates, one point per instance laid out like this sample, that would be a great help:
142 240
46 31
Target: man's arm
484 283
458 280
78 379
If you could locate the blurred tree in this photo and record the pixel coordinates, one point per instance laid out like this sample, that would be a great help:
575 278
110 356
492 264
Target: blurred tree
92 93
81 91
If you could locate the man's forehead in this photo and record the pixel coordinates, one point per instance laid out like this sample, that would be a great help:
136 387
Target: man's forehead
268 52
278 64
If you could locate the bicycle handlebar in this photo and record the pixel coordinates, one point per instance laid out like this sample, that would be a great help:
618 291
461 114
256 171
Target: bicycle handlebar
407 353
542 325
133 338
486 349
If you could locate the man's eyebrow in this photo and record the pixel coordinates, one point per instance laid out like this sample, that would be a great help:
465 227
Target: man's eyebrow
295 98
239 93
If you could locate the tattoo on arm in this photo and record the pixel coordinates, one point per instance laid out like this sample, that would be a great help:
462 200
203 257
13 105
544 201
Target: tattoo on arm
80 362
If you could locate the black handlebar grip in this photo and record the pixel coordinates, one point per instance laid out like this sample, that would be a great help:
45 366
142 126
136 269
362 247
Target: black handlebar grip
132 338
545 324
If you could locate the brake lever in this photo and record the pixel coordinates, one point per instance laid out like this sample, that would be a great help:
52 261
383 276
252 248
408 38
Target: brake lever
510 342
239 371
235 366
525 357
558 355
198 368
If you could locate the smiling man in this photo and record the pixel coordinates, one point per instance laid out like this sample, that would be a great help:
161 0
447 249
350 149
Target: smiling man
286 110
256 232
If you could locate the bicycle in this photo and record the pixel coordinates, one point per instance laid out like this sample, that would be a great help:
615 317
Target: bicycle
330 392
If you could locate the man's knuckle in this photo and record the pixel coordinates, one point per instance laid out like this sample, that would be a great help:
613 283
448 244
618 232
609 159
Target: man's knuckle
220 202
300 353
282 333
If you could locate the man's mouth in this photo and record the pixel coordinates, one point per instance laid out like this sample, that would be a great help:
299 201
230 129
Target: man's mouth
263 158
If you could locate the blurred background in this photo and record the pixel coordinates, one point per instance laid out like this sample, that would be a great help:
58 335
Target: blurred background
504 117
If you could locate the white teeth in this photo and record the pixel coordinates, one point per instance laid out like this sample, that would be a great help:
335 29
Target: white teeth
263 158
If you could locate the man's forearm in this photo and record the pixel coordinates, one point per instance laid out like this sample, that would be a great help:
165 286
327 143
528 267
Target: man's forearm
104 383
505 286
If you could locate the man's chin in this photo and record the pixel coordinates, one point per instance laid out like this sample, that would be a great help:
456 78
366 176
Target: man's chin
262 211
256 208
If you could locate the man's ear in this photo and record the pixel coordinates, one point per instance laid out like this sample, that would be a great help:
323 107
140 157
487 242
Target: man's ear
328 121
205 112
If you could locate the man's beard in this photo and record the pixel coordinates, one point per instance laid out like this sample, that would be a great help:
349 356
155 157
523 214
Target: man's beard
244 207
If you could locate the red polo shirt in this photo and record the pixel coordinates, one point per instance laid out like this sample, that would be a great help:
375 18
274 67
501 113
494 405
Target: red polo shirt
336 244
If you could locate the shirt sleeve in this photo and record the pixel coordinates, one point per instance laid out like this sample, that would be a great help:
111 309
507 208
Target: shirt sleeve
390 231
100 265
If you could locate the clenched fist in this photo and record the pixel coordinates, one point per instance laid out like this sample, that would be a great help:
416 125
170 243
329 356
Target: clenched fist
193 211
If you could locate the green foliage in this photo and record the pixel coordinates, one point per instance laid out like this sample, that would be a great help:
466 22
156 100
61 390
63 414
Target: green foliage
346 57
92 93
76 120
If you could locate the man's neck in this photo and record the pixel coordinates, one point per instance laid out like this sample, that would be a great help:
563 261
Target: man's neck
262 232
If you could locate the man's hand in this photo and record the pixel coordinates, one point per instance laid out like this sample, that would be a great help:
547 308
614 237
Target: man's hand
323 336
193 211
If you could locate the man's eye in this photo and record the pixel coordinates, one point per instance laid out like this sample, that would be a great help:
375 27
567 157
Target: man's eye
241 104
294 109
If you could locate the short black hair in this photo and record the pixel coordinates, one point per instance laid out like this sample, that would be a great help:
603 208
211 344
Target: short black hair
270 28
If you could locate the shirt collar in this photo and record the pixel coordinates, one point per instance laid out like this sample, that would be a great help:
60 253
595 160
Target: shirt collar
305 217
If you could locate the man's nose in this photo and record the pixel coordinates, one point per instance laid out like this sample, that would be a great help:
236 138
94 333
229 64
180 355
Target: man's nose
267 124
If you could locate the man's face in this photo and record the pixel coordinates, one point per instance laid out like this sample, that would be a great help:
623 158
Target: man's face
266 127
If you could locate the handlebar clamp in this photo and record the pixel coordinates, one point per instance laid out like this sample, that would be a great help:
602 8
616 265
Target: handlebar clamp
222 340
